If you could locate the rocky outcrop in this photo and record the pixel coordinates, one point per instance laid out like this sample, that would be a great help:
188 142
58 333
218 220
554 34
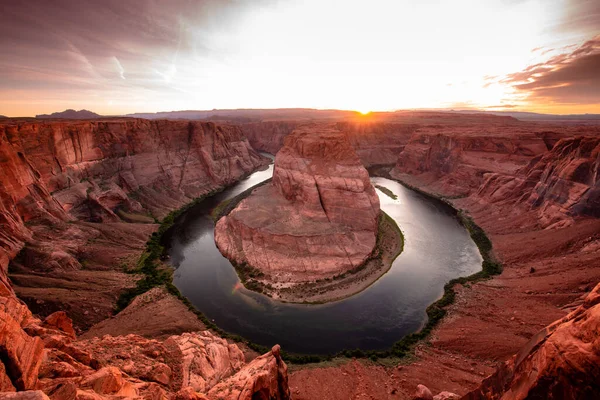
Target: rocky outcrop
558 186
205 359
21 354
317 219
263 378
562 361
43 356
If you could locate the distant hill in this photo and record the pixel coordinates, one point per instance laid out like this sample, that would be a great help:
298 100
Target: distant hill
249 115
531 116
416 115
3 116
71 114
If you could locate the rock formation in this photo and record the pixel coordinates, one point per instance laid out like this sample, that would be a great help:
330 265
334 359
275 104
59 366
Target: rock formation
559 185
560 362
69 190
375 142
43 356
317 219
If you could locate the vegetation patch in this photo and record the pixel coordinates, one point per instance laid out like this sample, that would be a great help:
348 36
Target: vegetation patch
155 273
387 191
135 218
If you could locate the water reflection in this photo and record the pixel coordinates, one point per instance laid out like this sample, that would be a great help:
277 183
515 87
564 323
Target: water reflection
437 249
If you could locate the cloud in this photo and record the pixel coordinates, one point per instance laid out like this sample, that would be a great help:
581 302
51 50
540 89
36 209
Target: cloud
502 106
120 68
85 45
567 78
580 15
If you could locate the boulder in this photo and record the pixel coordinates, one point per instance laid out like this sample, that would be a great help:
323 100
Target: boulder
59 320
422 393
203 359
263 378
109 381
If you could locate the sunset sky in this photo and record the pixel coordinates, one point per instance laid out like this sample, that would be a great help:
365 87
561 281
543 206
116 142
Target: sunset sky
122 56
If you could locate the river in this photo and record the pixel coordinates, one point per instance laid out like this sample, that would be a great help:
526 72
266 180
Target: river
437 249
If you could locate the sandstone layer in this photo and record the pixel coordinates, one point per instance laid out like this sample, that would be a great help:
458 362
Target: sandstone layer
75 202
317 219
534 194
531 187
79 199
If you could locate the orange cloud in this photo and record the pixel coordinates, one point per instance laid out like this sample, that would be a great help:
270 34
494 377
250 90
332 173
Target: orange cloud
565 79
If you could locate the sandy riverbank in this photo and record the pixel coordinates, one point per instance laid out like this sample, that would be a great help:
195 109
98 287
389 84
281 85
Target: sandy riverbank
390 243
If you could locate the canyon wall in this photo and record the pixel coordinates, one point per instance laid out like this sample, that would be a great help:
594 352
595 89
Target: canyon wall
562 361
375 142
77 200
84 197
456 159
317 219
93 168
559 185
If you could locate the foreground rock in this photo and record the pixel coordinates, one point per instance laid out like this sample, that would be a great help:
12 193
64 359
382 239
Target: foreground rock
47 357
317 219
562 361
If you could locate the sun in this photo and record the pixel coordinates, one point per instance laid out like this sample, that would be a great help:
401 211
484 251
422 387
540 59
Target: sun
364 112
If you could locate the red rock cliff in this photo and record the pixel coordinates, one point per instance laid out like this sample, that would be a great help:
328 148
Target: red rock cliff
455 159
104 171
560 362
374 142
317 219
558 186
58 180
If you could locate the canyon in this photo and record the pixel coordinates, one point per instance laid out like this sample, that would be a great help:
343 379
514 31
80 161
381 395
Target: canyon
79 200
318 219
532 187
